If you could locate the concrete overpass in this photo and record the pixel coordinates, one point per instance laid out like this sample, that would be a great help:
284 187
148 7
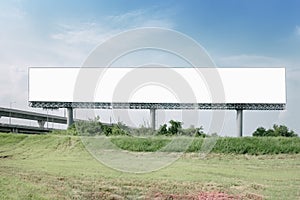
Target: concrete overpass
13 128
39 117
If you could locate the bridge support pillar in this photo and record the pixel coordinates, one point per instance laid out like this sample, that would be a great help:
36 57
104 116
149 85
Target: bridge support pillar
152 118
70 118
41 123
239 122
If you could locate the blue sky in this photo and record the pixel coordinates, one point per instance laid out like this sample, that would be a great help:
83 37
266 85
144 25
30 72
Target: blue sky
240 25
234 32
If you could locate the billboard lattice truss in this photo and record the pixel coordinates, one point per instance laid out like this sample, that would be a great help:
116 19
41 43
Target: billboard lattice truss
164 106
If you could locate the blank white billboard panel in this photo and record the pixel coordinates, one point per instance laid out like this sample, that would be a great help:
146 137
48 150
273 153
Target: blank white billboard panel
158 85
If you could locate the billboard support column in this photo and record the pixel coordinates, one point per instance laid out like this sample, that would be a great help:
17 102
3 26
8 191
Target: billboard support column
70 118
41 123
152 118
239 122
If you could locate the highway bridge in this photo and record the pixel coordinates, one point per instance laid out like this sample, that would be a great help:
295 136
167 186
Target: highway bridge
39 117
13 128
28 115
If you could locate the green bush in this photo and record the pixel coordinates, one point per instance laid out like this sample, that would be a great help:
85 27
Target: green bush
163 130
93 127
192 131
226 145
176 129
116 130
278 130
107 130
70 131
139 144
141 131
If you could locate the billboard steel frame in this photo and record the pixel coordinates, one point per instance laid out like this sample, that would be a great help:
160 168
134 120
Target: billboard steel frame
162 106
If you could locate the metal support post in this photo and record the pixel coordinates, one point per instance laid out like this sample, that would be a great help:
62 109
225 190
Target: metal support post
152 118
239 122
41 123
70 119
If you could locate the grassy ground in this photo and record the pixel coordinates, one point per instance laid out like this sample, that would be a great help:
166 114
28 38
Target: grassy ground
59 167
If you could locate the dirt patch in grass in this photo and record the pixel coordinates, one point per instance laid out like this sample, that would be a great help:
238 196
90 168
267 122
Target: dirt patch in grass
198 196
5 156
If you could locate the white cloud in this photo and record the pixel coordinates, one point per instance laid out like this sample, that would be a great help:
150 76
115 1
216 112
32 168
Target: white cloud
96 32
158 23
85 33
127 17
142 18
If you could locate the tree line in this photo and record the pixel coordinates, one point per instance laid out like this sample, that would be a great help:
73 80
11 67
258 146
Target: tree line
276 131
94 127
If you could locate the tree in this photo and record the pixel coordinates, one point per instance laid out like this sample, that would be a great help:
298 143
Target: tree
163 130
193 131
91 127
283 131
107 130
278 130
270 132
175 127
260 131
116 130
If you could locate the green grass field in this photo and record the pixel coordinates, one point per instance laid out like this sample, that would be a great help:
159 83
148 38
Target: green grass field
59 167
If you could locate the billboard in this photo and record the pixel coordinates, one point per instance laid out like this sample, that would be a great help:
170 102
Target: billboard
158 85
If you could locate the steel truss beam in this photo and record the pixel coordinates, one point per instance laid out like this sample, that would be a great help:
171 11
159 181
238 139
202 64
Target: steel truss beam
162 106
